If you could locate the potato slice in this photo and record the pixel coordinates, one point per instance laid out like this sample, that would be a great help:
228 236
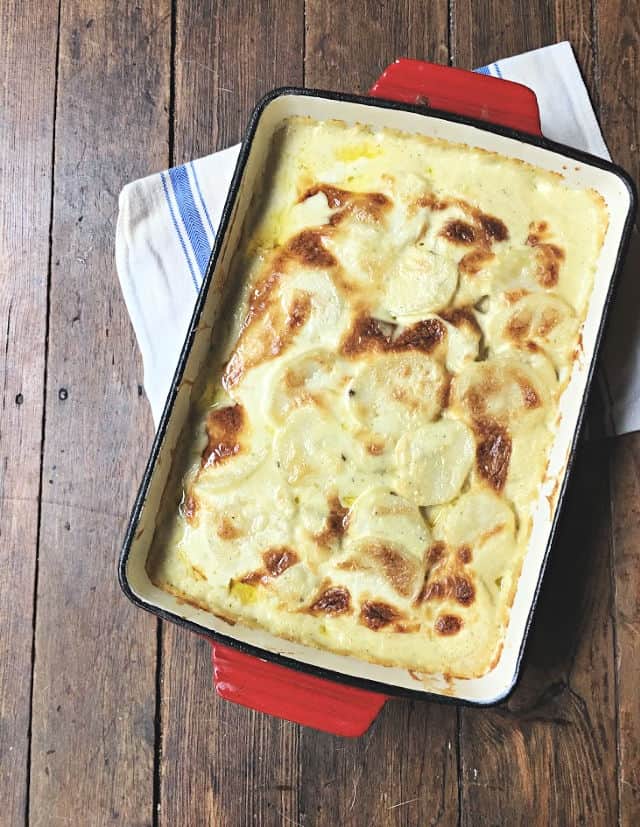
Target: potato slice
377 514
392 390
421 283
433 462
307 379
484 523
515 391
543 319
310 447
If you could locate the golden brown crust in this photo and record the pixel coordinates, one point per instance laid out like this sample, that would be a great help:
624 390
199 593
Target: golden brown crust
363 206
224 426
368 335
465 555
375 614
459 232
455 587
448 624
399 571
333 600
549 256
307 248
424 336
227 530
276 562
336 523
461 317
493 452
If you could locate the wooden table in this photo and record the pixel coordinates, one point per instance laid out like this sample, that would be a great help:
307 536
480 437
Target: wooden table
107 716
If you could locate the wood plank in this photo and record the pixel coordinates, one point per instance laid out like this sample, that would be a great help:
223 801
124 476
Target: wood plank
348 51
402 772
27 93
411 750
574 21
488 30
549 754
625 494
94 680
618 51
243 765
222 764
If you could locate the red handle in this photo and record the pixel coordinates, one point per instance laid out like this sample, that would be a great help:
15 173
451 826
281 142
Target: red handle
287 693
460 91
293 695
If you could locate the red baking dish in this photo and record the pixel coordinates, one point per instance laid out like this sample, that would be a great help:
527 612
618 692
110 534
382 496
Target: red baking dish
329 692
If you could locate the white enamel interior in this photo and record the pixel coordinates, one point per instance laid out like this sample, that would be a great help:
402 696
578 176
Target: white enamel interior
495 684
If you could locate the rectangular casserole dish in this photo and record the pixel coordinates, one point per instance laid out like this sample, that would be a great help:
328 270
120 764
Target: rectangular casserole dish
579 170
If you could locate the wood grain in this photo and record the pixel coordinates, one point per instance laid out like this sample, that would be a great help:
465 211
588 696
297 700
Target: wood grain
242 767
618 50
348 51
101 751
548 755
625 482
94 687
27 94
404 770
488 30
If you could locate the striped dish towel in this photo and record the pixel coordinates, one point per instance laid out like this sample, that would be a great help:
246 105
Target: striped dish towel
167 223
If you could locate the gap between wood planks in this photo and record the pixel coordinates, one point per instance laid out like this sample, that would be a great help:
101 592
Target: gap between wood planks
44 416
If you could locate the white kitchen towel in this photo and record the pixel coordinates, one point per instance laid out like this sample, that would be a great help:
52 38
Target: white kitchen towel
167 223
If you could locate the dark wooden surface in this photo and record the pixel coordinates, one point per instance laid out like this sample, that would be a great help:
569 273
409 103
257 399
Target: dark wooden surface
107 717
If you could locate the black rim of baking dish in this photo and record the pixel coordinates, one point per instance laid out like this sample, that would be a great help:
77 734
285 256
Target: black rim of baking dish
283 660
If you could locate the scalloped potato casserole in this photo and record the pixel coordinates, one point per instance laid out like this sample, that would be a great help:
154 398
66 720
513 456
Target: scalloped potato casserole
372 437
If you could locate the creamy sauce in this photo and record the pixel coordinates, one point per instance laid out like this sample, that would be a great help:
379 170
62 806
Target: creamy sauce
364 473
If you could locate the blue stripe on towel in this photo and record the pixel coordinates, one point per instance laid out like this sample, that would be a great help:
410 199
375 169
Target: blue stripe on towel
177 229
190 216
202 201
483 70
497 68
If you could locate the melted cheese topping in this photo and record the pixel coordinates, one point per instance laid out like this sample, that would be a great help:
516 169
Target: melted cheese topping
375 439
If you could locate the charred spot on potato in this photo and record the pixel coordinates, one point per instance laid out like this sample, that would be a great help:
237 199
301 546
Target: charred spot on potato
549 256
278 560
366 335
399 571
333 601
308 248
448 625
424 336
436 552
336 523
223 428
463 591
227 529
493 453
458 232
494 228
377 614
530 396
299 311
363 206
465 555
